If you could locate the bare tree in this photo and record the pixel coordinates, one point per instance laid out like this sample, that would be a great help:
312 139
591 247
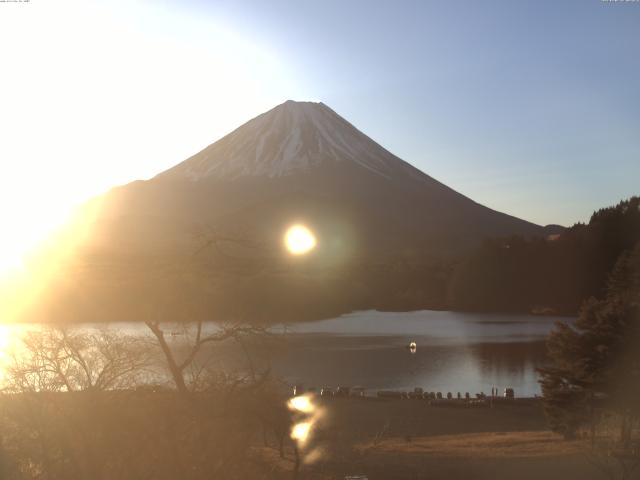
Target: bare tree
194 340
65 360
62 390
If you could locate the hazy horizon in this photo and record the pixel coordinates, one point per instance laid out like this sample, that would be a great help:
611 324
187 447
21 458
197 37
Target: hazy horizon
522 111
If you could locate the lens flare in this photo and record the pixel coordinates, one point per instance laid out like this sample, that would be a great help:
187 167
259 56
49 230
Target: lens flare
313 456
300 431
306 414
301 404
299 240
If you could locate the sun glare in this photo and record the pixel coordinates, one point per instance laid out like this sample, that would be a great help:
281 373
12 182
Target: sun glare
29 226
50 159
301 404
32 258
10 259
299 240
307 415
300 431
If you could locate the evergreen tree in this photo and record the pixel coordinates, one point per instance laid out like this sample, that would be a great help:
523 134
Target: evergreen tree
597 360
546 274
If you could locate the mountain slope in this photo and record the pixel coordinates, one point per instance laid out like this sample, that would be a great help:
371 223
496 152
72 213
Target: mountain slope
384 230
302 161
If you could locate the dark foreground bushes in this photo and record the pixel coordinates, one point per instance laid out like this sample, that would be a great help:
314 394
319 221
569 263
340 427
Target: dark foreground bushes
136 435
74 406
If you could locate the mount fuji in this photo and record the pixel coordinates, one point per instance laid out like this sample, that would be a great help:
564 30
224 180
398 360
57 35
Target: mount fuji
301 161
384 229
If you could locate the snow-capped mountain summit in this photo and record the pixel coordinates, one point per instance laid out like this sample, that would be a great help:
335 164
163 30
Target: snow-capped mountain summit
303 161
292 137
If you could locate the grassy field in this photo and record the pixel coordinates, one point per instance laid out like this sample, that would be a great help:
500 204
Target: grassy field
130 435
405 439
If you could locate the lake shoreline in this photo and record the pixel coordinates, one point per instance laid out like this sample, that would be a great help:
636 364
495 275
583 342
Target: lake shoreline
455 351
401 439
304 320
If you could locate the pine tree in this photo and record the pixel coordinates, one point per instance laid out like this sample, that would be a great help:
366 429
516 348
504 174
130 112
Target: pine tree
596 361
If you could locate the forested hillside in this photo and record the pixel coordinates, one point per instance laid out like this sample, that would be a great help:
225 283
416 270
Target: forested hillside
552 275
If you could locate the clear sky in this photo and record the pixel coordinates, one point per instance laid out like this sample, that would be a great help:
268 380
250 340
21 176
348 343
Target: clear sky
531 108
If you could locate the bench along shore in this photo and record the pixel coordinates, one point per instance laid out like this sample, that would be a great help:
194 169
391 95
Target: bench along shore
430 397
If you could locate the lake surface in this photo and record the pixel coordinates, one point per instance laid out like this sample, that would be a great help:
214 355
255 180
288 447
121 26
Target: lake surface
456 352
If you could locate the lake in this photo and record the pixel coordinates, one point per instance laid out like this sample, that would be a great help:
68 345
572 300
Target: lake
456 352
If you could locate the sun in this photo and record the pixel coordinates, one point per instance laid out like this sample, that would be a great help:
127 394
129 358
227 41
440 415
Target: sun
299 240
10 259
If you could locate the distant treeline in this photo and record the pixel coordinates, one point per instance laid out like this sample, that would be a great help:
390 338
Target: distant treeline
552 275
